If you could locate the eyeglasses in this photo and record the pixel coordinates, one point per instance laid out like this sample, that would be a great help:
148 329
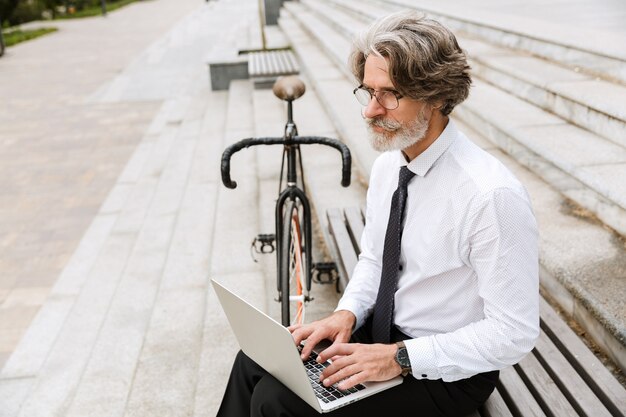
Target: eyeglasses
386 98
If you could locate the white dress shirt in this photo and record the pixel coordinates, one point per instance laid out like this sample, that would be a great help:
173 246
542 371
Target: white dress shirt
468 287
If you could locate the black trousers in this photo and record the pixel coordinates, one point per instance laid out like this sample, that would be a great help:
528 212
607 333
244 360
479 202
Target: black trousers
251 391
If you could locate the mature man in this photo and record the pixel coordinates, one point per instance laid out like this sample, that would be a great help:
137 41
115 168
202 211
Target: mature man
446 288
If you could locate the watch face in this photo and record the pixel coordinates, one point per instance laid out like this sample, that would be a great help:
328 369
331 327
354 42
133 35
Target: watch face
403 358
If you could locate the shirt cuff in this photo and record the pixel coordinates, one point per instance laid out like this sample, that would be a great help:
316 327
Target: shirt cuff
353 307
423 358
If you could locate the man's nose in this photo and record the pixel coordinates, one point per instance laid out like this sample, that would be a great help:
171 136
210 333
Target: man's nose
373 109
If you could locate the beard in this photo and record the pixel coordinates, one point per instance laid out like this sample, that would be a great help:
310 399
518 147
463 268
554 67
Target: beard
397 136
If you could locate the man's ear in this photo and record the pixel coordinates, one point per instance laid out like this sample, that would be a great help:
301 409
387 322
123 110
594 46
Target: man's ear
436 108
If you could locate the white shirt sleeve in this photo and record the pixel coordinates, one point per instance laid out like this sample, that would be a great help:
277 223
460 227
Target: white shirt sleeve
502 248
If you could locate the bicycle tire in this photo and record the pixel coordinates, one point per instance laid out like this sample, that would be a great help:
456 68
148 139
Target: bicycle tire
293 264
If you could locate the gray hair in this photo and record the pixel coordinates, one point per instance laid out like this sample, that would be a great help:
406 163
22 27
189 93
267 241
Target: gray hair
425 61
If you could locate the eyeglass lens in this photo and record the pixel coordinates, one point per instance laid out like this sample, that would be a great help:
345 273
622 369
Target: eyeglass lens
385 98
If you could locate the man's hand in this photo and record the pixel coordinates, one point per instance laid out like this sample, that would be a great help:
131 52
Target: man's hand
337 327
356 363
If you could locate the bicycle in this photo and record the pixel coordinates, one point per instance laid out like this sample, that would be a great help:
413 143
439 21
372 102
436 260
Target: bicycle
293 232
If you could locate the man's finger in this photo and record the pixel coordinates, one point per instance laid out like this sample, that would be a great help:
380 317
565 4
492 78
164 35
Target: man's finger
341 374
312 340
294 327
336 349
301 333
355 379
337 364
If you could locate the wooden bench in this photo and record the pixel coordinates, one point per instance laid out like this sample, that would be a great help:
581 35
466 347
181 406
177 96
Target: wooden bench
264 67
560 377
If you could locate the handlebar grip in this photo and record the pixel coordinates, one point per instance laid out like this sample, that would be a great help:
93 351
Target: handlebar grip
346 158
236 147
228 152
346 170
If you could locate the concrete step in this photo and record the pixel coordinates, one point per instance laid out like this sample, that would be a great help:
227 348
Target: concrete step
71 356
326 32
591 47
584 100
582 262
558 152
167 307
235 221
592 186
591 103
366 11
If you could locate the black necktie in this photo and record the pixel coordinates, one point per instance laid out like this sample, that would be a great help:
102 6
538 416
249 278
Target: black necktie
383 310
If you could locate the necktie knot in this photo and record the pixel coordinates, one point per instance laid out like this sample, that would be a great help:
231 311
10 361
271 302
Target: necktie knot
405 176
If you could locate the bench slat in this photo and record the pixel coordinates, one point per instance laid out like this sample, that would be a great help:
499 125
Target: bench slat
343 244
546 391
516 394
546 382
495 406
271 63
355 224
569 382
600 380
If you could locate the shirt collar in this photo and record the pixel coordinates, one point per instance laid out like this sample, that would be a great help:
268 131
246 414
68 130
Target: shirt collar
425 161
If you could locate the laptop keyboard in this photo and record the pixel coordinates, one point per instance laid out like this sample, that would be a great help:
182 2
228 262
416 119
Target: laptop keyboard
326 394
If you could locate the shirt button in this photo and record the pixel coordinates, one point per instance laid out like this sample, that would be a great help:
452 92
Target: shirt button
424 375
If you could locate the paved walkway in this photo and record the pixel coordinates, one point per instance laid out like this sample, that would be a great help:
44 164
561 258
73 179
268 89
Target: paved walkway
61 149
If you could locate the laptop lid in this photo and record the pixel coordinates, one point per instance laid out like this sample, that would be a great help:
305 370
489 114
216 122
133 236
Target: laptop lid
271 346
268 343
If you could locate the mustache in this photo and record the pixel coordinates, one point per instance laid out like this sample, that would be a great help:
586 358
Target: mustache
389 125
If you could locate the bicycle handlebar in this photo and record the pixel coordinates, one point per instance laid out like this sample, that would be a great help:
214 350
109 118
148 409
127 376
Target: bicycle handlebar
346 158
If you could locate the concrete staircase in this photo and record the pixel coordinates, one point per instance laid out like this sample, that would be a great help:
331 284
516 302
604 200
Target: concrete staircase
133 294
132 327
561 128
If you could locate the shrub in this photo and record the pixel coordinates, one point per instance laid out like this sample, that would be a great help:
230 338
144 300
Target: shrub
6 10
26 11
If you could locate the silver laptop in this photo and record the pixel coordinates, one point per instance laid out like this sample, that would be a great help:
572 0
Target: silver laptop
271 346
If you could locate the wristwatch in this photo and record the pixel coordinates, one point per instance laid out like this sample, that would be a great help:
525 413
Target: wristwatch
402 358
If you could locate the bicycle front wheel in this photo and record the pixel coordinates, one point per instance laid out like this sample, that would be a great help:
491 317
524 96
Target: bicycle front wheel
293 267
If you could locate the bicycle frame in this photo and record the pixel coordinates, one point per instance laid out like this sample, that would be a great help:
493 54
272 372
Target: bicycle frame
292 192
291 142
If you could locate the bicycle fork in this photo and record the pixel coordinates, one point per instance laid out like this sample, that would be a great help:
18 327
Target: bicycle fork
292 192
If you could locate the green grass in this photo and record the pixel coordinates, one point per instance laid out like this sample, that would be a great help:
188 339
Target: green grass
11 37
96 10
